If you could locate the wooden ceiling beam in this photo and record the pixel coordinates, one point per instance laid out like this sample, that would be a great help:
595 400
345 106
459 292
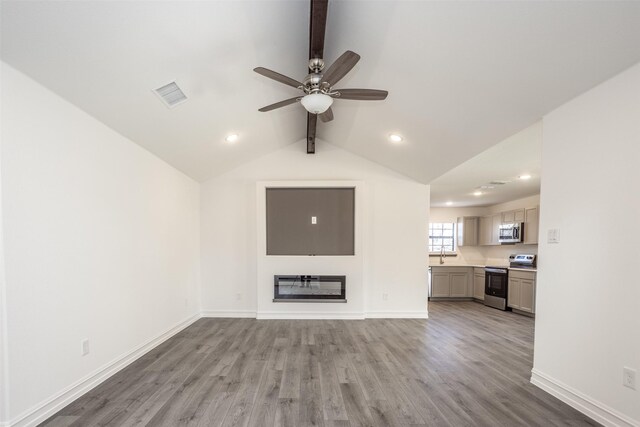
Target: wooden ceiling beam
317 27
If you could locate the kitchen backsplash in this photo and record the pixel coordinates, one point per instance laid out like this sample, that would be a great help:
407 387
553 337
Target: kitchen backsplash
485 255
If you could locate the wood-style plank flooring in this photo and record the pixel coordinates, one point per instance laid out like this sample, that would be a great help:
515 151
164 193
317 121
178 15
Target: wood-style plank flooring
467 365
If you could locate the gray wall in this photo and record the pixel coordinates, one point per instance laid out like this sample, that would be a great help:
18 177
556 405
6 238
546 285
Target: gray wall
289 227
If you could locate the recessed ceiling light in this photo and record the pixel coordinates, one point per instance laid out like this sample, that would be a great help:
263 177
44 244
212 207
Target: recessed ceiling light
477 193
231 138
449 203
524 177
395 138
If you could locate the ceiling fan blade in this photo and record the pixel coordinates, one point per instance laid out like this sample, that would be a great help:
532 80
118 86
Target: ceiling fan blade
362 94
278 77
279 104
341 67
327 116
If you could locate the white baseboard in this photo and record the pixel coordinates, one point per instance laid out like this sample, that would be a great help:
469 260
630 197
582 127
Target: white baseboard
302 315
397 315
583 403
45 409
264 315
229 313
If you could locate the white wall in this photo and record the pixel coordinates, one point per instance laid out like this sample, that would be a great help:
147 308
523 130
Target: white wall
101 242
394 213
4 368
484 255
588 318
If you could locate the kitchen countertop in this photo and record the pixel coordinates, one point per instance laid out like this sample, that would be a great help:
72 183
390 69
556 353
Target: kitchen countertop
483 266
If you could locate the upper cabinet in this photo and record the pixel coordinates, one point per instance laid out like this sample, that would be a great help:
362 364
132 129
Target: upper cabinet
510 217
489 229
489 226
485 230
467 231
531 218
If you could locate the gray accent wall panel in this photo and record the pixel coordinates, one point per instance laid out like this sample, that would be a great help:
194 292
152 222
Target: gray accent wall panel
289 227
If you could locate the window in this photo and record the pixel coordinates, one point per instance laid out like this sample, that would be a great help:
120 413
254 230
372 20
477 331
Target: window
441 234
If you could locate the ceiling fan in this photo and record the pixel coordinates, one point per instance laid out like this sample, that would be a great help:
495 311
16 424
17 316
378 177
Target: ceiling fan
317 87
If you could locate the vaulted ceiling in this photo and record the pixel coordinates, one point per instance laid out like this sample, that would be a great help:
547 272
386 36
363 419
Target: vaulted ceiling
462 76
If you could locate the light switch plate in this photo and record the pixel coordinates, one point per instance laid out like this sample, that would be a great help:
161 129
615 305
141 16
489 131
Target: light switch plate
629 378
314 220
84 347
553 235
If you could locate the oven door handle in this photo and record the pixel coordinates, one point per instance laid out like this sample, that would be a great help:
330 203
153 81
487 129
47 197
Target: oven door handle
495 270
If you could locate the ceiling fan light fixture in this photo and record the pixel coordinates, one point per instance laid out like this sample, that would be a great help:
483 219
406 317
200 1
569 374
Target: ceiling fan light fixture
316 103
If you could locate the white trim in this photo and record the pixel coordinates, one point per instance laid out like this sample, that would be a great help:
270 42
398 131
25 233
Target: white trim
397 315
48 407
229 313
587 405
302 315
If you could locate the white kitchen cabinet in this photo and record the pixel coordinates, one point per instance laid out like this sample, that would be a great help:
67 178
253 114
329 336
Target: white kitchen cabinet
459 284
531 218
510 217
495 228
467 231
439 284
451 282
478 283
485 233
513 293
518 215
527 295
521 293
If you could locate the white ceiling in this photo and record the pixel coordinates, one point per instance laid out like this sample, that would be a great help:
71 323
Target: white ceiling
516 156
461 75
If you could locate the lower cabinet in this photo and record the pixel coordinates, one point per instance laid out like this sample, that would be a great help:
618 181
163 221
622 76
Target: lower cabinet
521 293
478 283
451 282
440 284
459 284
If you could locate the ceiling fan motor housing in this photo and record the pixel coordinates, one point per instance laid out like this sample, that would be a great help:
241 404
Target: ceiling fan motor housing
316 64
312 82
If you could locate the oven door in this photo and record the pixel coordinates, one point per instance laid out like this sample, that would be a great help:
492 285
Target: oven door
495 282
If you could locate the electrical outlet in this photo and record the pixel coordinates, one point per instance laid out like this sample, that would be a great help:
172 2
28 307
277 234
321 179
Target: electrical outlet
385 296
314 220
84 347
238 296
553 235
629 378
186 302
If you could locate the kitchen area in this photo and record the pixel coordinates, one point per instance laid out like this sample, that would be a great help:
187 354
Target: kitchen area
495 261
483 227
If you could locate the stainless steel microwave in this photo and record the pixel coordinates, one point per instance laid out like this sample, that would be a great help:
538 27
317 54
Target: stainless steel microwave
511 233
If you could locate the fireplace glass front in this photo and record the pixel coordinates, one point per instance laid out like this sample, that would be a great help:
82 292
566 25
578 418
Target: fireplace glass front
308 288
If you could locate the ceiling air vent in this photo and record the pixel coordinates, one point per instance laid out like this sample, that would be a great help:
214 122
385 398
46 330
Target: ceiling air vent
171 94
498 182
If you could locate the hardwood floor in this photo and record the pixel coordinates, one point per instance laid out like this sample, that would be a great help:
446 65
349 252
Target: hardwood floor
466 365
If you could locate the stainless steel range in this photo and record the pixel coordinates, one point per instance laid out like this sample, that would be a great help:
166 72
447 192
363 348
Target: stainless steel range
522 261
495 287
496 282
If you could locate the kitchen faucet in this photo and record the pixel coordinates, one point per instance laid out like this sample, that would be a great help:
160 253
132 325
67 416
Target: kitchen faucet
441 254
